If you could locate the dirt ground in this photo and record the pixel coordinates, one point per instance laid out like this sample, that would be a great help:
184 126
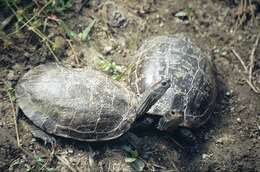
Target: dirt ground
230 141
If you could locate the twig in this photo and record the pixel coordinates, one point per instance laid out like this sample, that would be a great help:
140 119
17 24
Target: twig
241 14
19 145
240 59
76 59
15 119
177 143
174 165
50 158
91 161
36 31
252 58
252 12
251 65
66 163
158 166
6 22
54 55
28 21
254 88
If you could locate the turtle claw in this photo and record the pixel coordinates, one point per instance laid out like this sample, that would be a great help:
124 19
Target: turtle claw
49 140
46 138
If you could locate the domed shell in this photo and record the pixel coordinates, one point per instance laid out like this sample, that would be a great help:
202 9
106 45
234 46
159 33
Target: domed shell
82 104
193 88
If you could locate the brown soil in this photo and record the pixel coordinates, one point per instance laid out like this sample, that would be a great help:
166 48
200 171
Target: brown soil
230 141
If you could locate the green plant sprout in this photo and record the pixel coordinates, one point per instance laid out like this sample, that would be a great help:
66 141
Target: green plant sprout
133 158
116 71
82 36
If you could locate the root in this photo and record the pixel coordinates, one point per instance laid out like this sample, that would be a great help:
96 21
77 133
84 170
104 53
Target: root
249 70
252 58
65 162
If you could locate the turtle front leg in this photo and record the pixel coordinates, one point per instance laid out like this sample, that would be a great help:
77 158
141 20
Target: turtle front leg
38 133
186 135
170 121
131 139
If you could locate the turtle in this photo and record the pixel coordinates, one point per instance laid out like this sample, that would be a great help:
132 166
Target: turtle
190 99
80 103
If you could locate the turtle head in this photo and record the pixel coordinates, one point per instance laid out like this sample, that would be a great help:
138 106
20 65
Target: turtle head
170 120
152 95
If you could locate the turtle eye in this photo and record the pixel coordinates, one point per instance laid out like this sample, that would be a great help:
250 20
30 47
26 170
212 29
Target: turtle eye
165 82
172 112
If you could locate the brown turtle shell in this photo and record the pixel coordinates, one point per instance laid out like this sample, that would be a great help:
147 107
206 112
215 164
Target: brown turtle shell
81 104
193 88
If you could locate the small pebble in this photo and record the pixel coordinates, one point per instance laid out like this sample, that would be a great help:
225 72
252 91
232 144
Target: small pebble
239 120
225 139
70 151
229 93
205 156
161 24
18 67
224 53
59 43
107 50
26 54
11 75
216 50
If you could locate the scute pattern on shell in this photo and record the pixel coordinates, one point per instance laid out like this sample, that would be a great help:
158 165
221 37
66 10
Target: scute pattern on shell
82 104
193 85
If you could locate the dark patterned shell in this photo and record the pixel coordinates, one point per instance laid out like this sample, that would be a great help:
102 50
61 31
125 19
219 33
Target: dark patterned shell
82 104
193 85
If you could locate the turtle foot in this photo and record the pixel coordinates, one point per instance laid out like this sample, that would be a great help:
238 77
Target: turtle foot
46 138
131 139
187 139
187 135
